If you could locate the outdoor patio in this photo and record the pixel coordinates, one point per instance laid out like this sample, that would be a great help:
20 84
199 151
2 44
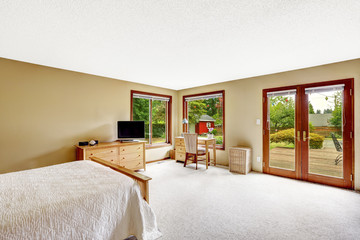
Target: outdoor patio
322 161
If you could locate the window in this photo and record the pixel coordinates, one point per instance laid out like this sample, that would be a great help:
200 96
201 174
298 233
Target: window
205 113
155 110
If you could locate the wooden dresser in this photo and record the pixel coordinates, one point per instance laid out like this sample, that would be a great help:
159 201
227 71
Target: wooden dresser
130 155
180 149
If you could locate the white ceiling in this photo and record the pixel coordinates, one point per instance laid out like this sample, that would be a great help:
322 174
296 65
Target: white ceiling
180 44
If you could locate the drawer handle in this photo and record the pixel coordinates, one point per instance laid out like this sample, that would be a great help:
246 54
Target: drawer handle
91 154
112 151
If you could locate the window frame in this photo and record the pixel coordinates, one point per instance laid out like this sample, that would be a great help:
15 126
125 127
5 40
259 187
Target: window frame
185 113
168 141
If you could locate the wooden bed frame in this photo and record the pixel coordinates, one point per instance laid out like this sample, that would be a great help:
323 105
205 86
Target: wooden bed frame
142 180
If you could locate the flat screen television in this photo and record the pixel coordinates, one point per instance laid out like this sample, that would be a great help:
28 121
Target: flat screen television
131 130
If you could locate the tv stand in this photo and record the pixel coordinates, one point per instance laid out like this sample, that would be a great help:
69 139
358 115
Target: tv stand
130 155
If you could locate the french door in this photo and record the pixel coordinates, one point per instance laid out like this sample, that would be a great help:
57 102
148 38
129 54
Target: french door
308 132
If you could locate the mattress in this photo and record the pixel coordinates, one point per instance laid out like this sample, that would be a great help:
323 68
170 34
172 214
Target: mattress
75 200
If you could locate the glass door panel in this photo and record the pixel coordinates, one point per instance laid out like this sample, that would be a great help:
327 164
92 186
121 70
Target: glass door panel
281 121
325 149
308 132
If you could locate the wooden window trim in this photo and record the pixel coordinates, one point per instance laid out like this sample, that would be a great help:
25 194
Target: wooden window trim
168 118
185 114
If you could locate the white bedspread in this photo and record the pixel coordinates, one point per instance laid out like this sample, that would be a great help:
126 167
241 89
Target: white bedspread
76 200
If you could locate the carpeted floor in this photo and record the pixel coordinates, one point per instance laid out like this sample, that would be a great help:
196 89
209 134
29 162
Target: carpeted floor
217 204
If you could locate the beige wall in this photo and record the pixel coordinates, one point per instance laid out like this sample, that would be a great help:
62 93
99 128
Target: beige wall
243 105
45 111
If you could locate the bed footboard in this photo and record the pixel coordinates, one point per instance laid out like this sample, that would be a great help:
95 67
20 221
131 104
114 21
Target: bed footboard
142 180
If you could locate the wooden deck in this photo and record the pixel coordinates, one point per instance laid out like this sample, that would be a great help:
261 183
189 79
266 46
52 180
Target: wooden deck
322 161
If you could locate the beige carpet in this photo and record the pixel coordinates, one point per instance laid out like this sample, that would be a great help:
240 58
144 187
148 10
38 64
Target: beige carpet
216 204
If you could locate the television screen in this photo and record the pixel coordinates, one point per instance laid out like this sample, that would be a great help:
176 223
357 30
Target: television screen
131 129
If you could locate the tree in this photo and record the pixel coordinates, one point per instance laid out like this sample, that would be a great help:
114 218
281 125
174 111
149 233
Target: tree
328 110
195 110
141 109
311 108
211 109
215 110
311 127
336 119
282 112
158 111
318 111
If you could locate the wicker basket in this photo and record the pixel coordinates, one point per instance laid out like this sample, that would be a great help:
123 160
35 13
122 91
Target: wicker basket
239 159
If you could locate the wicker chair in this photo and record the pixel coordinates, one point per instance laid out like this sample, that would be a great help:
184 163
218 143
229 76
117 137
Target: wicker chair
192 151
338 148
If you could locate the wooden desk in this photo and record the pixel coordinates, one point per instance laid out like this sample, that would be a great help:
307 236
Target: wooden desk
180 149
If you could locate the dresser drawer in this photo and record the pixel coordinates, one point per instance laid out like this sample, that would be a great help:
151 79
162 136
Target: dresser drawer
131 157
133 165
179 156
180 150
113 160
131 149
179 142
102 153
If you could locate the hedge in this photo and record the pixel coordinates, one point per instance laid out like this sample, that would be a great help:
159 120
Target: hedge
316 141
219 139
159 130
283 136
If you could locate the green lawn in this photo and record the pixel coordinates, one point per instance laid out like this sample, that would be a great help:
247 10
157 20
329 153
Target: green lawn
158 140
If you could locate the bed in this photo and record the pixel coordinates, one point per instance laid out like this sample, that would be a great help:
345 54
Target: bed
76 200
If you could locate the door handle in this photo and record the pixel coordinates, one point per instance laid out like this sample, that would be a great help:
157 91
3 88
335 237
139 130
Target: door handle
298 136
304 136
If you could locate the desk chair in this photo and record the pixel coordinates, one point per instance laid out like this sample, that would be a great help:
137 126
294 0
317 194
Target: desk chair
338 149
192 150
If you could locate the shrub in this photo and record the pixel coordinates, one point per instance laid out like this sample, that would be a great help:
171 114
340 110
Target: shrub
158 129
288 136
316 141
311 127
219 139
283 136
